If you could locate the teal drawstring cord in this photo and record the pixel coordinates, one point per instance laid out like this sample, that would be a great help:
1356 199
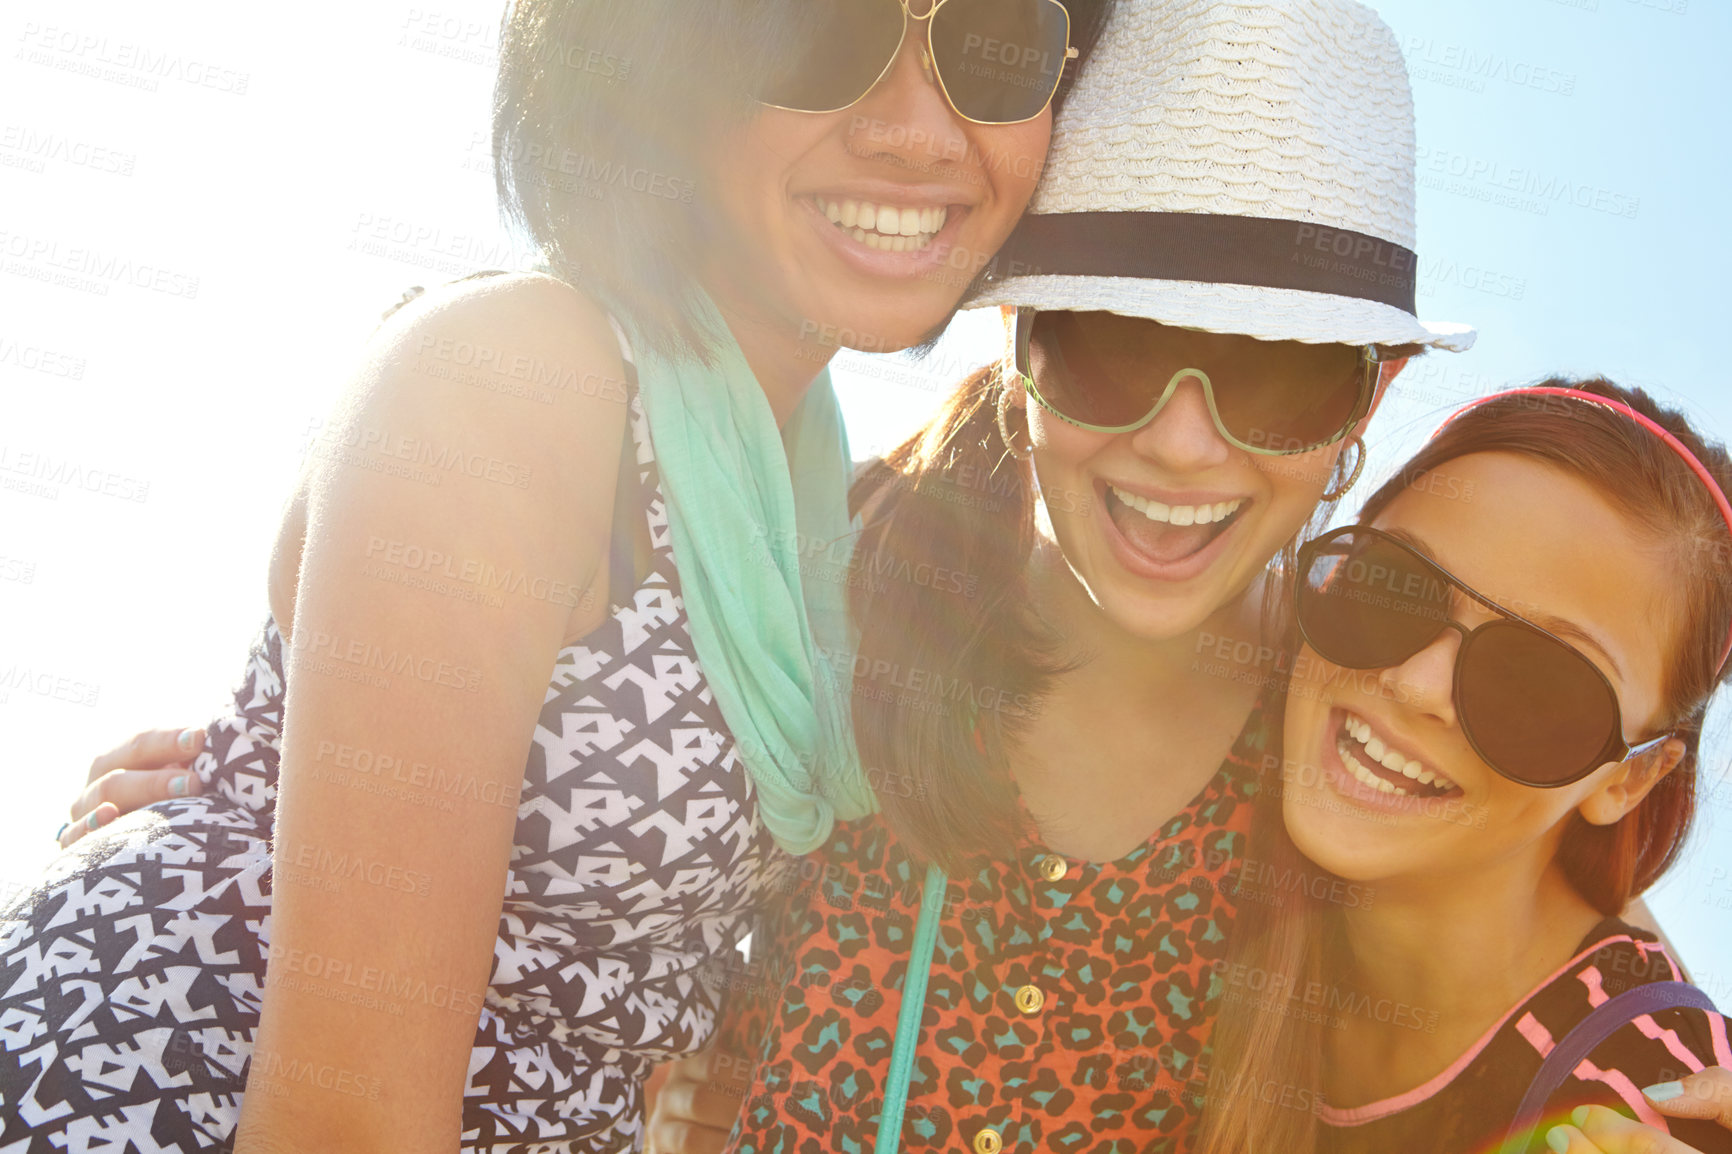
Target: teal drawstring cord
889 1139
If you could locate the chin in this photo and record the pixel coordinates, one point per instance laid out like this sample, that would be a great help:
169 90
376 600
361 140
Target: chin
875 318
1156 618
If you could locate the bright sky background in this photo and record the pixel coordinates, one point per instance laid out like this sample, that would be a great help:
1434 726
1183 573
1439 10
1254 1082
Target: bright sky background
258 152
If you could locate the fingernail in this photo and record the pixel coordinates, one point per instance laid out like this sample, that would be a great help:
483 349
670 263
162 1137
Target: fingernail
92 822
1557 1139
177 785
61 832
186 739
1579 1116
1664 1091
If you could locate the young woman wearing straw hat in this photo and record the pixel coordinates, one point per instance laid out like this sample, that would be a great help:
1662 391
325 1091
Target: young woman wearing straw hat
1024 951
539 726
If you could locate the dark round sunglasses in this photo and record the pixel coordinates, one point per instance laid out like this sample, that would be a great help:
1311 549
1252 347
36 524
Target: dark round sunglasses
996 61
1534 708
1114 374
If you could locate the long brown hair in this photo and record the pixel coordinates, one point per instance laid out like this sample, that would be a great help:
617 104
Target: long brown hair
954 656
953 499
1259 1043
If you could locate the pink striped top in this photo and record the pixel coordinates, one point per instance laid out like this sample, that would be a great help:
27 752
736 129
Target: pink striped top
1467 1107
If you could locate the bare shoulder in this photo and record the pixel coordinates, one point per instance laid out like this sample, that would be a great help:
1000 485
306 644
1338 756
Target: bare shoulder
518 336
484 419
516 379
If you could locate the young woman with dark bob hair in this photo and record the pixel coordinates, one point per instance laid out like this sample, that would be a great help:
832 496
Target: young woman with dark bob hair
488 844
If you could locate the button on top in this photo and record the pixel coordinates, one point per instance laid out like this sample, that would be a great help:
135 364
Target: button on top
1029 999
988 1141
1052 868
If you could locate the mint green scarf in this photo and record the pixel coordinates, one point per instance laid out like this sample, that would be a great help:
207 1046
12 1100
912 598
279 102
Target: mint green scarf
762 538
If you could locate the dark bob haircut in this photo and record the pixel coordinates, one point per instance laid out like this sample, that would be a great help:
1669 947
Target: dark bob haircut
600 110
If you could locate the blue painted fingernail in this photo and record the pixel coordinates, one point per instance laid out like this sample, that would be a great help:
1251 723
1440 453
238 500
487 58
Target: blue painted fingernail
1579 1116
92 822
177 785
1664 1091
61 832
186 739
1557 1139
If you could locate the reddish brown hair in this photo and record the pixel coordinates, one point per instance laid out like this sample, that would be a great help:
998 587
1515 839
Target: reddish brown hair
1609 865
951 497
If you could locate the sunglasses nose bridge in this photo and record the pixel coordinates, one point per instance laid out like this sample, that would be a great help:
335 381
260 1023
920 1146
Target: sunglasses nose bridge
1188 438
921 108
1428 679
1175 391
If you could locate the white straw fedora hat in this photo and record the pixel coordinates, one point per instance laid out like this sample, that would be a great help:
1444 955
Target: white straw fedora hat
1235 167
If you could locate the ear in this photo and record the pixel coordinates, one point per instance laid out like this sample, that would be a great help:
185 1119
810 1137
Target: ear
1629 783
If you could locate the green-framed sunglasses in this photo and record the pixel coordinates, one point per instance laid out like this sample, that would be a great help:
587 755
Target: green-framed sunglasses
1110 374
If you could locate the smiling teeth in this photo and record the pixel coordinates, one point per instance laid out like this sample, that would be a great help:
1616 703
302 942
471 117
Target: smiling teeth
885 226
1178 514
1359 740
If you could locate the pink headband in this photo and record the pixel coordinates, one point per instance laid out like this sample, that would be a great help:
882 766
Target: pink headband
1674 443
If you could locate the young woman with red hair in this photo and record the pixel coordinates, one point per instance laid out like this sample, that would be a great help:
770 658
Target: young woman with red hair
1492 727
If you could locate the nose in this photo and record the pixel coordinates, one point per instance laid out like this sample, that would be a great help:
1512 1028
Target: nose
1182 438
1425 682
905 118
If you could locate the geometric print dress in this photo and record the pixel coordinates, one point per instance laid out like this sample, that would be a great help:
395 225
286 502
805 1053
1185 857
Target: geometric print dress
131 977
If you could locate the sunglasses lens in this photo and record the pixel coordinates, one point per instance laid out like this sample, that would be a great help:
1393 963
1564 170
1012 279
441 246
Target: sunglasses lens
1288 396
1366 602
1000 60
842 49
1539 712
1087 367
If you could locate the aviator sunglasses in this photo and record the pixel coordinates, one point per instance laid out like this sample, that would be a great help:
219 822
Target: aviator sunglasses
1113 374
996 61
1533 707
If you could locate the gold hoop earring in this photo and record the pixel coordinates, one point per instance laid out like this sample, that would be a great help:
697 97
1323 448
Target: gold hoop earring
1020 452
1357 443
